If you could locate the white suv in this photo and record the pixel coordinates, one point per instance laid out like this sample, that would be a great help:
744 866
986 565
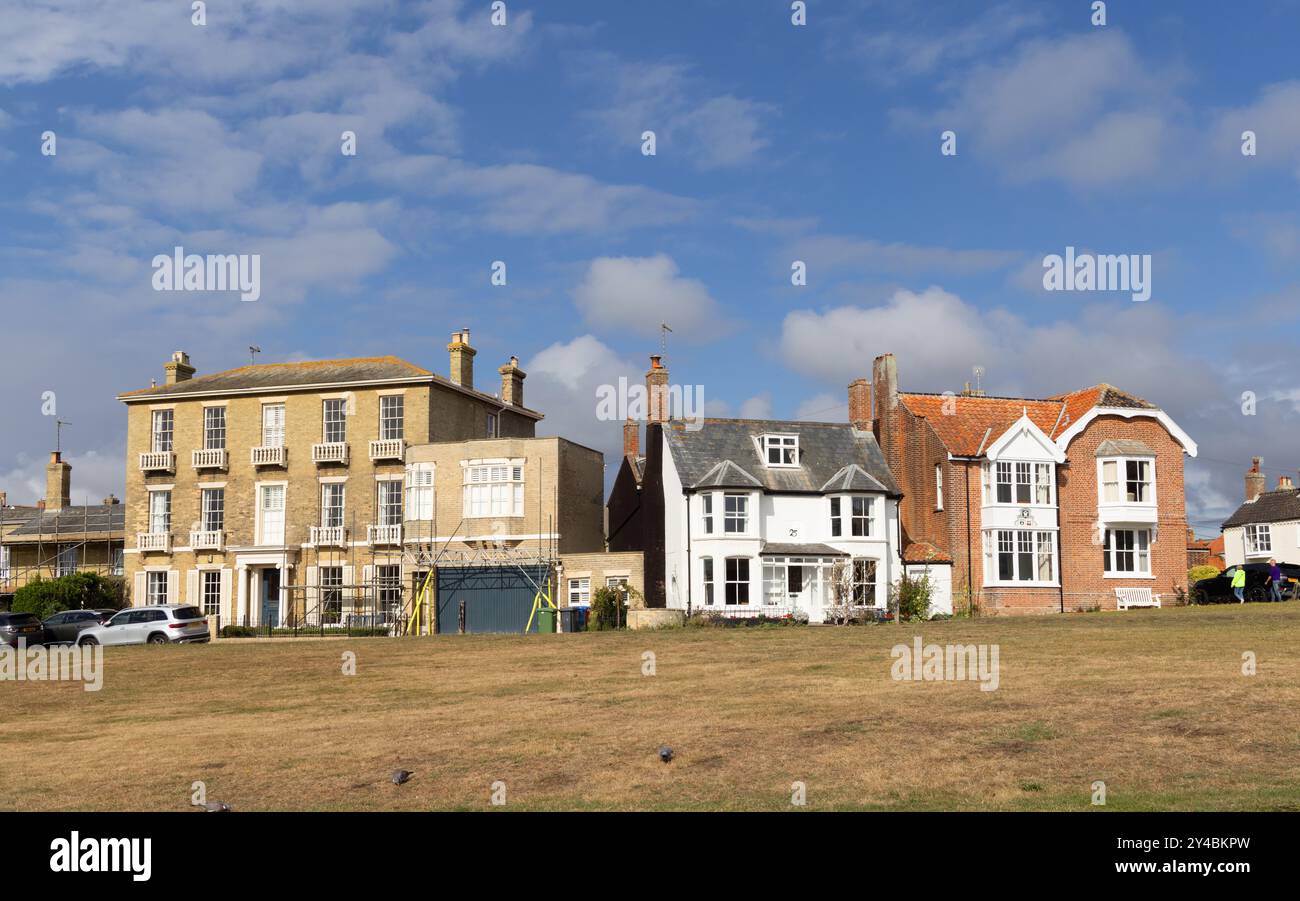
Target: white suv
165 624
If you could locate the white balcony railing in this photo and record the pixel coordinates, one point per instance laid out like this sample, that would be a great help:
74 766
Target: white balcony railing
154 541
158 461
215 458
207 541
270 456
330 452
384 534
329 536
388 449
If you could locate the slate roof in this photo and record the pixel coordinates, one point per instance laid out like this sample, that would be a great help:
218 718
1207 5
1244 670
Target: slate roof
1271 506
971 424
289 375
800 550
1119 447
12 516
725 453
69 521
272 376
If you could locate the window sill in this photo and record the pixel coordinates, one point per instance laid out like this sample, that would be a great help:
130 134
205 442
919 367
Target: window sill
1022 585
1145 576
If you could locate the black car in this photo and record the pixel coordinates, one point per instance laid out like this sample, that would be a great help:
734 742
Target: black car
67 625
15 627
1218 589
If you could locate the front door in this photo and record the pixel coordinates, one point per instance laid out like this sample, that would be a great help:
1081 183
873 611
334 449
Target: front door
270 597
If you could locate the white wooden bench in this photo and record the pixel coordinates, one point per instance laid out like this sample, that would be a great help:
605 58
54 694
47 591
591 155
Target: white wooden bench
1135 597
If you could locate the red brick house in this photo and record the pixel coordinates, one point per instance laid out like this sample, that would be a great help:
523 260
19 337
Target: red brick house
1040 505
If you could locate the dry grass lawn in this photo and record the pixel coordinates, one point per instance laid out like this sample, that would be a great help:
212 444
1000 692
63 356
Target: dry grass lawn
1152 702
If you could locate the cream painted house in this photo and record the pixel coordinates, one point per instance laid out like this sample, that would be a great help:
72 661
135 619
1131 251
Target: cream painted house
274 494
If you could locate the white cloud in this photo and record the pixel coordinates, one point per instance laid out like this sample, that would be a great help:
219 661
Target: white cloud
757 407
690 121
638 293
825 253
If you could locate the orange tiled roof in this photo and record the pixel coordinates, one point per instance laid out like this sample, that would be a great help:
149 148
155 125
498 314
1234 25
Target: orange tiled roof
973 423
924 552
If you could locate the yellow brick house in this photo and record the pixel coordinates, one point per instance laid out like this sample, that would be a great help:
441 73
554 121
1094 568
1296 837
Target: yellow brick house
262 494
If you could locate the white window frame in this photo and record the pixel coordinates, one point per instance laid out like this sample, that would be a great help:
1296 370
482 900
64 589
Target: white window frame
163 431
493 489
493 426
392 422
210 599
708 574
738 517
273 425
938 486
160 511
334 420
742 585
5 558
65 560
1121 481
212 509
419 491
388 498
1137 550
260 489
214 433
333 515
846 519
580 591
865 575
784 447
1039 544
706 512
1254 532
154 578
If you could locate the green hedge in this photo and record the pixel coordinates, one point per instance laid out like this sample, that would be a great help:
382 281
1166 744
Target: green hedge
75 591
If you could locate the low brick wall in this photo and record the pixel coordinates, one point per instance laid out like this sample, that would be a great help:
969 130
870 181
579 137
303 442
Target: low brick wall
648 618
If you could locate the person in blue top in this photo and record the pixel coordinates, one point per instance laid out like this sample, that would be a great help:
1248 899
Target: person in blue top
1274 581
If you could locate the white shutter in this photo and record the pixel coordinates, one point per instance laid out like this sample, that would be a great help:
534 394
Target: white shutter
349 593
366 599
312 593
192 588
138 590
227 615
173 585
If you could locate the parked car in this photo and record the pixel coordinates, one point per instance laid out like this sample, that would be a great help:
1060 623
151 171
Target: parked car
1218 589
64 627
164 624
21 626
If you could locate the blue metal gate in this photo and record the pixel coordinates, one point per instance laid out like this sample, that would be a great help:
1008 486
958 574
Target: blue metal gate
497 598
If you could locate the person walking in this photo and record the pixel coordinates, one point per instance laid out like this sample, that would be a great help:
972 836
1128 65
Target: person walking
1274 581
1239 584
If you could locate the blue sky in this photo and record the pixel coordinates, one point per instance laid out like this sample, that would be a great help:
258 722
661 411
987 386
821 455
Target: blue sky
776 143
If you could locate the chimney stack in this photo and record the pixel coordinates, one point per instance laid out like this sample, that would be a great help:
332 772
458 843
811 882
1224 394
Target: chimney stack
111 501
1254 479
1284 483
4 499
58 483
512 383
178 368
656 384
631 439
860 404
462 359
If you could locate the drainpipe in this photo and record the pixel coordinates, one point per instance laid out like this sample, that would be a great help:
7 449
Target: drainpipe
690 562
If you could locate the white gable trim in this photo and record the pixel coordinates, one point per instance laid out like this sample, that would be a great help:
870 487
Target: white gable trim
1025 426
1128 413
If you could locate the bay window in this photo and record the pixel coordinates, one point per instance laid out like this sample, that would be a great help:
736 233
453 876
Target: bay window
494 490
419 491
1017 482
1127 480
857 510
735 520
1019 555
1128 552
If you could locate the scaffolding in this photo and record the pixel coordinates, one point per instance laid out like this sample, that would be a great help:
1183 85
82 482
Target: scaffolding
53 549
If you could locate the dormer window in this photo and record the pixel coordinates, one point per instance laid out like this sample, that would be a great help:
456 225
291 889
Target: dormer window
781 450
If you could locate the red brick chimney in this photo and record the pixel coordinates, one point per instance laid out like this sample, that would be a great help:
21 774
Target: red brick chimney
631 439
1255 483
1284 483
860 404
656 385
